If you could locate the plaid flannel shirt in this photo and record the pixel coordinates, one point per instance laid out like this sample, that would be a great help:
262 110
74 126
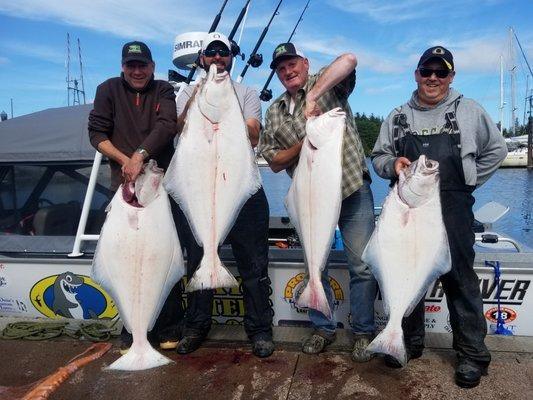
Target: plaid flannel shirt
283 130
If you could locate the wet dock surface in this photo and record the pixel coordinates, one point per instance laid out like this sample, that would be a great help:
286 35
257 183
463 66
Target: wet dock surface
224 368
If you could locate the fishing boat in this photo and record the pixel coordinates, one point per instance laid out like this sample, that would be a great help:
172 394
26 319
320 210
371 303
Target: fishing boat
516 154
52 206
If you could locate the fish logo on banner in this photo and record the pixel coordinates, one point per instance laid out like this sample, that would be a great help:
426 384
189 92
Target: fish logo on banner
71 296
295 286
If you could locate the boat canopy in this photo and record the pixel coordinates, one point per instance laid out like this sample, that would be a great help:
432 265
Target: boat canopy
48 136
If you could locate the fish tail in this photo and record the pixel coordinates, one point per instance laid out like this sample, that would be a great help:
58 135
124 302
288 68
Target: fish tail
390 341
314 297
207 277
138 358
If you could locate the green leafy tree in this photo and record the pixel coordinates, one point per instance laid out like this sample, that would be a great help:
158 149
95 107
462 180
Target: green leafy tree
368 128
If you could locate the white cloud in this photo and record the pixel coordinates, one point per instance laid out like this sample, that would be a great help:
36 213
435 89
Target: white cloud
383 89
157 21
329 48
34 50
395 12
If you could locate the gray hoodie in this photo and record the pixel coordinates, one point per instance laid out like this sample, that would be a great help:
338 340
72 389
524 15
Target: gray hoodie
482 146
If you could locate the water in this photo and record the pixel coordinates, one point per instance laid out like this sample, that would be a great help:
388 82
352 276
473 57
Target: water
511 187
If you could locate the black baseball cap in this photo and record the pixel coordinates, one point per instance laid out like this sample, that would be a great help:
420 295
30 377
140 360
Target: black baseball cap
283 51
440 53
136 51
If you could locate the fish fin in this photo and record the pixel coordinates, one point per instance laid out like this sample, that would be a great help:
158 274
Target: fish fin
314 297
209 278
138 358
390 341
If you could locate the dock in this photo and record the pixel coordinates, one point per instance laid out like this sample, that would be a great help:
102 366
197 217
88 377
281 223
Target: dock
225 368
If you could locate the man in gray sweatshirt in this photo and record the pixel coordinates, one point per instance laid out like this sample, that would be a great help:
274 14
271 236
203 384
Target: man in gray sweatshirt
457 132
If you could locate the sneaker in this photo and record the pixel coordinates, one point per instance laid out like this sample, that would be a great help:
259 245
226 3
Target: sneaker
262 348
359 352
392 362
169 337
168 344
125 346
468 374
316 343
189 343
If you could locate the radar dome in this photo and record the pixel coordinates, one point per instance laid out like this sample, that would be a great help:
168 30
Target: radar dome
186 49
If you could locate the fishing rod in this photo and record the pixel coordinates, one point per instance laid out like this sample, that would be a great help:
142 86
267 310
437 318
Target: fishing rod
235 49
266 94
212 29
238 21
255 59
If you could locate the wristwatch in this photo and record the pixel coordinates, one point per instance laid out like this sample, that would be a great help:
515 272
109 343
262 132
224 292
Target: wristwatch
142 152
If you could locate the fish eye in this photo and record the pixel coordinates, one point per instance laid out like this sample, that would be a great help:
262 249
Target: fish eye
69 278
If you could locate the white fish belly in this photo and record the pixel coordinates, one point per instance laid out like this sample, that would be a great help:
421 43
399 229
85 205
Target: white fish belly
407 251
138 260
211 175
314 201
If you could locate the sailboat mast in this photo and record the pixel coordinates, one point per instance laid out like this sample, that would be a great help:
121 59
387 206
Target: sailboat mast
512 69
501 95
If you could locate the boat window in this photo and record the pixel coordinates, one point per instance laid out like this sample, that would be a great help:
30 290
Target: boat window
46 200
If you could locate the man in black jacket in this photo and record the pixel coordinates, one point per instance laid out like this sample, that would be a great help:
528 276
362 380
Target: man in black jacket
134 119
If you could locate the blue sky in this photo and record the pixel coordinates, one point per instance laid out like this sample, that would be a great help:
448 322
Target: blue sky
386 36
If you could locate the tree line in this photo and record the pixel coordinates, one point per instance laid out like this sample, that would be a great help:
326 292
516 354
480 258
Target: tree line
368 127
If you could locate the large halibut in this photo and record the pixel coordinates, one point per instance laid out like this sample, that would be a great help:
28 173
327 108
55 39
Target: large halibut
138 260
212 173
408 249
314 199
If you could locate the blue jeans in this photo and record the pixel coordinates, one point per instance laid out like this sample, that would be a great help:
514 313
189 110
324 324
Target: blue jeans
356 223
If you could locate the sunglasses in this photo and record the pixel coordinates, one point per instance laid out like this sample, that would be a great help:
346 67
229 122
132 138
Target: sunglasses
427 72
213 52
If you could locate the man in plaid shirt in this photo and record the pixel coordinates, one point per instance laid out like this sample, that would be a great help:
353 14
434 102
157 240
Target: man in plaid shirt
280 144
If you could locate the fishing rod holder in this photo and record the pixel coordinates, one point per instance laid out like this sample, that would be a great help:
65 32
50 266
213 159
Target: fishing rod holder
256 60
266 95
236 50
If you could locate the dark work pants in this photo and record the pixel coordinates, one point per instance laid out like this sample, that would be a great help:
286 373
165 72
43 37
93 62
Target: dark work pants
249 242
168 325
461 286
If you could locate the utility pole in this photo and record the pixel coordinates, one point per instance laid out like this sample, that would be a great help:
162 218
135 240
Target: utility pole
11 108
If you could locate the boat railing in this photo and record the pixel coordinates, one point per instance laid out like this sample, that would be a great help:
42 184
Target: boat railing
493 238
80 233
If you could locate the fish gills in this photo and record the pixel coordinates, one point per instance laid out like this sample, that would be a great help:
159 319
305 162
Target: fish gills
212 173
314 200
138 260
408 250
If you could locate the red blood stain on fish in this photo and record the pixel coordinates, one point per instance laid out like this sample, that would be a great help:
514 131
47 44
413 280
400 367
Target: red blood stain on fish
133 220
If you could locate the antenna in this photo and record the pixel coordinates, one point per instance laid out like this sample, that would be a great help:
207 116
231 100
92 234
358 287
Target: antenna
81 71
74 88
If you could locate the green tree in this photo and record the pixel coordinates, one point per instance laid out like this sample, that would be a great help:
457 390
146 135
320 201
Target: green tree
368 128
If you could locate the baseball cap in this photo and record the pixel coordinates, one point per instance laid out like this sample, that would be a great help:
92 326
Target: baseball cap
136 51
215 37
437 52
282 51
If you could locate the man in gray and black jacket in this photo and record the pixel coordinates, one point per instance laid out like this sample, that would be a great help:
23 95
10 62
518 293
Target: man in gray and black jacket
457 132
134 119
